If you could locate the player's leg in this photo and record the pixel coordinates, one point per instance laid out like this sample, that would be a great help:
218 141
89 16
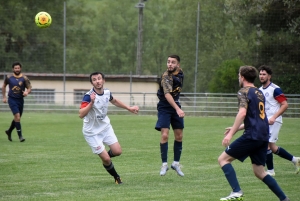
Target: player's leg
258 159
177 124
115 150
97 146
229 172
11 128
281 152
163 125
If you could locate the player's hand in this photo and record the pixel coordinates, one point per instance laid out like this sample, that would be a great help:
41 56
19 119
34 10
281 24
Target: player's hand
226 140
4 100
25 93
180 113
227 130
271 121
93 97
134 109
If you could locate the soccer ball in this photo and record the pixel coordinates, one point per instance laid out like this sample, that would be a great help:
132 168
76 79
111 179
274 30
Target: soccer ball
43 19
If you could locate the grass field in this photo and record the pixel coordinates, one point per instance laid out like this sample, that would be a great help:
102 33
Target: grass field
55 163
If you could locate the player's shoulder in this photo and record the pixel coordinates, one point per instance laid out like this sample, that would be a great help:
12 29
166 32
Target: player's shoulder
25 77
275 86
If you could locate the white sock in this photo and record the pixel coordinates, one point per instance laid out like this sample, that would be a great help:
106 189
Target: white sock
165 164
294 160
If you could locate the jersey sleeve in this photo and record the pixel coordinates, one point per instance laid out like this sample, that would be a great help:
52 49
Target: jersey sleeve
279 95
27 83
85 101
242 97
166 82
110 97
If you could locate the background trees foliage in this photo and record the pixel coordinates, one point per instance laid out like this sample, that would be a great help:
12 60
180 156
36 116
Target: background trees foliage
102 35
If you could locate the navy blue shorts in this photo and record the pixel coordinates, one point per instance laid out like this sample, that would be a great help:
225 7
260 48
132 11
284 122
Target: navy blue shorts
167 116
243 147
16 105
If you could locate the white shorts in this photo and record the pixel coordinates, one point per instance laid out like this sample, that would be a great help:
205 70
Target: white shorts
96 142
274 132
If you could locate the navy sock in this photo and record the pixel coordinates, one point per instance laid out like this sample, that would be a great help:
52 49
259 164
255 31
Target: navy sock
18 127
269 161
284 154
12 126
272 184
111 170
231 177
164 152
177 150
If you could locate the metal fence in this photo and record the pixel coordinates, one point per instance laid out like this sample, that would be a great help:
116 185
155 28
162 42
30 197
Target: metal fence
193 104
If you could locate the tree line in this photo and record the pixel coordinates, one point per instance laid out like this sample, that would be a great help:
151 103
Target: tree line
102 35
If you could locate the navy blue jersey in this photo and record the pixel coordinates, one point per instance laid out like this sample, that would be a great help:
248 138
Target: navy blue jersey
256 121
17 85
171 82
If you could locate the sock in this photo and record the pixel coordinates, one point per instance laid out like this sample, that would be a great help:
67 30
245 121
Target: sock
164 152
269 161
12 126
18 127
111 170
177 150
231 177
284 154
294 160
272 184
110 154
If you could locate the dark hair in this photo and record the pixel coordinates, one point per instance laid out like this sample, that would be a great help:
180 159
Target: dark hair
15 64
268 69
249 73
96 73
175 57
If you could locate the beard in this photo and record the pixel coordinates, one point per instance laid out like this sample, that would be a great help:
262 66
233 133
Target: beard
17 72
263 82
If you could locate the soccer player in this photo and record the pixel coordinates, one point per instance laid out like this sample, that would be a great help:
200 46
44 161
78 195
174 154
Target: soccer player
19 87
255 138
97 129
276 105
169 112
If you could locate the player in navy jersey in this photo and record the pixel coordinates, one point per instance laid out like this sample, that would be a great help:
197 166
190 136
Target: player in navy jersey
276 105
254 142
19 87
97 129
170 113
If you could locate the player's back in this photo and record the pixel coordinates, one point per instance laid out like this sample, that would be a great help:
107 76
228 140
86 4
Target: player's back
256 122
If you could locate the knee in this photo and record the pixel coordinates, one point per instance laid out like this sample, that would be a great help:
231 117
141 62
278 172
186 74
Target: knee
117 152
105 160
165 137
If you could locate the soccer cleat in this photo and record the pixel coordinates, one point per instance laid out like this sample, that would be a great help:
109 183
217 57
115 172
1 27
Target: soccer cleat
234 196
118 180
271 173
22 139
8 135
163 170
297 165
177 168
286 199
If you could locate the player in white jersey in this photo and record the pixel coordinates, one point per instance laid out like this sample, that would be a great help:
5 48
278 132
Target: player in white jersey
276 104
97 129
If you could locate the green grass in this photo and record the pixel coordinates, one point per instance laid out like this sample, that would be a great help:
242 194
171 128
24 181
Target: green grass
55 163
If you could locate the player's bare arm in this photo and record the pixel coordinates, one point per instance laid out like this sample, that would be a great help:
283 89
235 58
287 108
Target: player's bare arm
283 106
242 126
85 110
236 125
174 105
118 103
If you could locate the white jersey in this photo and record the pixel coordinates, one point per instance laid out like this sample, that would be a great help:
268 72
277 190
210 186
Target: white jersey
96 120
273 95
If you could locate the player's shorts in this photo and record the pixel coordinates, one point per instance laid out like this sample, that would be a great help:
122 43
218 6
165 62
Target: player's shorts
96 142
274 132
167 116
243 147
16 105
